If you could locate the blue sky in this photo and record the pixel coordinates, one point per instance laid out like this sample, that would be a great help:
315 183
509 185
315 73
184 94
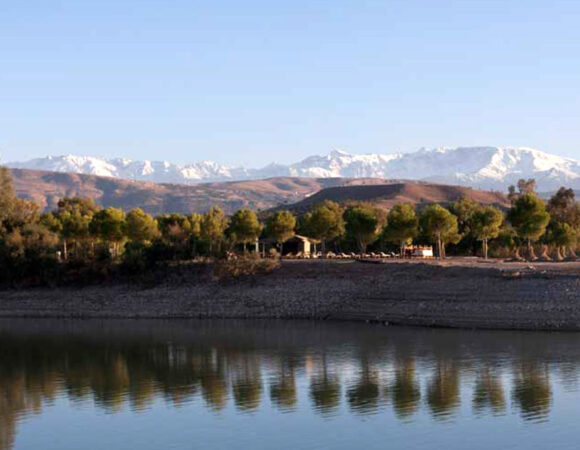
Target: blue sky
250 82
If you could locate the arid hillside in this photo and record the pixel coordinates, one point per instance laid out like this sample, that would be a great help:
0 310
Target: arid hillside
386 195
46 188
298 194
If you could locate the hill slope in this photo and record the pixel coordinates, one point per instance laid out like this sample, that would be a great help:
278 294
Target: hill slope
386 195
46 188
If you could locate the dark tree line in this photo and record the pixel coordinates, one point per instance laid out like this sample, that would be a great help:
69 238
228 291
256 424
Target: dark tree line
80 232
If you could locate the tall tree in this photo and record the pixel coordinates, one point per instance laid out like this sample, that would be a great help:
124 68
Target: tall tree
562 236
109 226
140 226
486 224
524 187
7 196
22 212
402 225
280 227
244 227
74 215
195 223
509 240
174 228
440 225
213 227
362 225
464 209
325 222
529 218
564 208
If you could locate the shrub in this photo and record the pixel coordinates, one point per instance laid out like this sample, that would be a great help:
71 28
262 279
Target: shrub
243 266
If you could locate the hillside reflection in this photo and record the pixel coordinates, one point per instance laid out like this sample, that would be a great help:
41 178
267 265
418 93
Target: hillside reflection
327 368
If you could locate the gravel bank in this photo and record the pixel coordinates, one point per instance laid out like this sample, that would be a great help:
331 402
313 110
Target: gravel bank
457 293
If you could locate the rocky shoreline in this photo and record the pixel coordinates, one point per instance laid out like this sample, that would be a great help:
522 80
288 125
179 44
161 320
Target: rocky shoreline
457 293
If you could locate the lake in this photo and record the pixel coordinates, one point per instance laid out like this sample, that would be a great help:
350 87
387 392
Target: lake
116 384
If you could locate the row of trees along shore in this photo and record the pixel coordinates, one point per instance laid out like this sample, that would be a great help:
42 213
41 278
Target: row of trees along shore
79 230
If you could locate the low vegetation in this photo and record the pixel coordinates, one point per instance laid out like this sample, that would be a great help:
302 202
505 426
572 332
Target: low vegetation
243 266
80 240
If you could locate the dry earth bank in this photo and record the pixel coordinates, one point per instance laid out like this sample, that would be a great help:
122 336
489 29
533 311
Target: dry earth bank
456 293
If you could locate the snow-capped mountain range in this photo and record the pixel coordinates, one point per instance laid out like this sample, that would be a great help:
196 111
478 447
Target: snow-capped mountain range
479 167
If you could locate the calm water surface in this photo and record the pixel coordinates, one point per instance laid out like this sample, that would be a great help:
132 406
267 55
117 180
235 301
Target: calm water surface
262 385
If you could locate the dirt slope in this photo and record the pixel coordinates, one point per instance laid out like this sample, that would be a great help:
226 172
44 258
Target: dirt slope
386 195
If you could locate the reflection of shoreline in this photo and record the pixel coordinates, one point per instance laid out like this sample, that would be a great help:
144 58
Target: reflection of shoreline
455 293
250 365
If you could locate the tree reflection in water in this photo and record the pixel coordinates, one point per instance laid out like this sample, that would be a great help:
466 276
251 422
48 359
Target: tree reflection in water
532 392
488 392
225 367
363 396
405 390
283 383
325 388
443 389
247 384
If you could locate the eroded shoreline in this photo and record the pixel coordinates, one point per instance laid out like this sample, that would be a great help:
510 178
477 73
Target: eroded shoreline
459 293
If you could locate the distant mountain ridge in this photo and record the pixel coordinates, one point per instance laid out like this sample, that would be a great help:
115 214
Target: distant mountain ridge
479 167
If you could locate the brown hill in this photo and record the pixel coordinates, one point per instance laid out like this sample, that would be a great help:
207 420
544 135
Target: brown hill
386 195
46 188
298 194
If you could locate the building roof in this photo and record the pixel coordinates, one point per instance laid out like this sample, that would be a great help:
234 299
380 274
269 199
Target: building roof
296 237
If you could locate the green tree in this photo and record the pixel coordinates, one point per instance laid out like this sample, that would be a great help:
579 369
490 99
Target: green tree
524 187
7 196
508 240
464 209
325 222
22 212
564 209
440 225
51 222
109 226
562 236
33 239
486 224
280 227
362 225
140 226
174 227
195 222
213 227
244 227
83 206
529 218
402 225
75 215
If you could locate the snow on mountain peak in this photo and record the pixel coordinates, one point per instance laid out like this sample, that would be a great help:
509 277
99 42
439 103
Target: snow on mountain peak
482 167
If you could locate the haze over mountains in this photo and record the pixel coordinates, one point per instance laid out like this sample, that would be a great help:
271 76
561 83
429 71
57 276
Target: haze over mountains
478 167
